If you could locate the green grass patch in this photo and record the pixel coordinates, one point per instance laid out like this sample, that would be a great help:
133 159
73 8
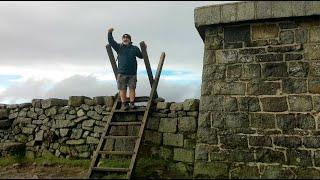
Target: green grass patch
115 163
47 160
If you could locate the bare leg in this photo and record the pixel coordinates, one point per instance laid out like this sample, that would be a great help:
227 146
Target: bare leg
132 94
123 95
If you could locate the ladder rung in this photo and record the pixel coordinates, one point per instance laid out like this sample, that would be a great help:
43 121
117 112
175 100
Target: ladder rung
140 99
117 152
120 137
110 169
124 123
138 109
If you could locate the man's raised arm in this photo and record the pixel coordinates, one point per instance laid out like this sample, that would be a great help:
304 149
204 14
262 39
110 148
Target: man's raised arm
112 42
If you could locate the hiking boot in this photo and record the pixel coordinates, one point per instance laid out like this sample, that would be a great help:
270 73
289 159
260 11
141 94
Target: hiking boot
132 106
124 106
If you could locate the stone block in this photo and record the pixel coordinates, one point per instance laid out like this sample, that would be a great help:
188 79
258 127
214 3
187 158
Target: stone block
230 104
163 105
251 71
153 123
213 72
287 122
263 121
263 9
76 142
183 155
249 104
153 137
245 172
261 141
236 33
226 56
272 70
36 103
176 107
46 103
312 51
207 135
300 103
314 68
311 142
288 141
299 157
99 100
235 120
306 121
229 88
263 88
293 57
76 101
228 13
209 55
301 35
51 111
314 85
316 103
284 48
248 14
64 132
234 141
314 34
234 71
94 115
274 104
191 104
168 125
264 31
269 156
207 15
63 123
269 57
212 42
211 103
39 136
294 86
298 69
108 101
92 140
187 124
171 139
286 37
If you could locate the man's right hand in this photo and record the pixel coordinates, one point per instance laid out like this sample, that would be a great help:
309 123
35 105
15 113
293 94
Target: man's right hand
110 30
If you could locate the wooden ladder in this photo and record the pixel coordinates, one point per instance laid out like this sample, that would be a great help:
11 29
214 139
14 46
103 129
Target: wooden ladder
97 155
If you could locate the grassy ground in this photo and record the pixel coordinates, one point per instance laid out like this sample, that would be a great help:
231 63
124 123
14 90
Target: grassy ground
146 167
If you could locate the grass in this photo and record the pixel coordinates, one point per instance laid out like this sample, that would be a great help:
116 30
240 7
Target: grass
47 160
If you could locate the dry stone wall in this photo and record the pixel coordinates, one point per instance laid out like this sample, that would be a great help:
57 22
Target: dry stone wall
259 110
72 129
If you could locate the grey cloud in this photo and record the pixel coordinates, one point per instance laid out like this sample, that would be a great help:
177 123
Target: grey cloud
91 87
33 33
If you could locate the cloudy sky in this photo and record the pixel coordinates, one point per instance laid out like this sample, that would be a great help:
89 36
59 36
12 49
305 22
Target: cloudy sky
57 49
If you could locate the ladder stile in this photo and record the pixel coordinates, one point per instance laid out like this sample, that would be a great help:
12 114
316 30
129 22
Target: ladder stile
110 122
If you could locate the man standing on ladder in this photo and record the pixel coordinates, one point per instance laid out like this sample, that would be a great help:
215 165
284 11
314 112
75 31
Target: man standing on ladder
127 68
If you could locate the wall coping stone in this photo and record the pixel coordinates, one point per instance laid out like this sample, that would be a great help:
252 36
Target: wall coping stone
252 10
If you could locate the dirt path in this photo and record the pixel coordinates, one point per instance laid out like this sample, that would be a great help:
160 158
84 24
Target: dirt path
42 172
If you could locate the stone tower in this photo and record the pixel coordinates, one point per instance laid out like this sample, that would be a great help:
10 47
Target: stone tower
260 102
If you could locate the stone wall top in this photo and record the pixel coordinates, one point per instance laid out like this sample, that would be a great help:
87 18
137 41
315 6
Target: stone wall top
252 10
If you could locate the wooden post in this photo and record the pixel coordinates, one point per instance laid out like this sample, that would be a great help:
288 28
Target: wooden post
112 60
147 63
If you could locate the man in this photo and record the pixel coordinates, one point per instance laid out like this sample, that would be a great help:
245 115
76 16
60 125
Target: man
127 68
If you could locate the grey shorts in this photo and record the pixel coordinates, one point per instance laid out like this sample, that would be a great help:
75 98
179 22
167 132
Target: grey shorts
124 81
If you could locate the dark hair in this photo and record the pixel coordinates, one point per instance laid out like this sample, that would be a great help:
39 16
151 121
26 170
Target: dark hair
126 35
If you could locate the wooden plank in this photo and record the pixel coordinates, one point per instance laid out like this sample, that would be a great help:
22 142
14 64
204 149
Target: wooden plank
124 123
112 60
145 56
110 169
140 99
95 158
117 152
142 109
145 116
121 137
